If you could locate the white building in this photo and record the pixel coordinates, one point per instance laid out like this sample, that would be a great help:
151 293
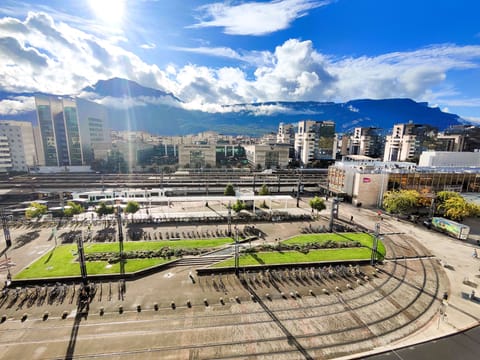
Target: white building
286 134
449 159
197 156
314 141
21 143
268 156
407 141
365 141
362 180
5 160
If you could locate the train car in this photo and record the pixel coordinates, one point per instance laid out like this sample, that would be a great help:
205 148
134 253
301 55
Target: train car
120 195
450 227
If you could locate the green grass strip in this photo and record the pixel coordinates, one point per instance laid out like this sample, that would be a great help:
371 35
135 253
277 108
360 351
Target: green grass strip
365 239
61 260
292 257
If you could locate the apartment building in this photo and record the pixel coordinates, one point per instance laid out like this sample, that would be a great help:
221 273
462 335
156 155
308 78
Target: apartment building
314 140
408 141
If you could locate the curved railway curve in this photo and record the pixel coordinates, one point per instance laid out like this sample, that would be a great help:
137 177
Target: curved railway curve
290 318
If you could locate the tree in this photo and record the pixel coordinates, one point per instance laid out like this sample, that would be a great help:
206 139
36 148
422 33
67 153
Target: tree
103 209
132 207
264 190
455 208
36 210
442 198
317 204
229 190
238 206
403 202
72 209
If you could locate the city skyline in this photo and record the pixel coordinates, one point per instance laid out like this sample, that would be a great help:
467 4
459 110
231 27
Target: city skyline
212 54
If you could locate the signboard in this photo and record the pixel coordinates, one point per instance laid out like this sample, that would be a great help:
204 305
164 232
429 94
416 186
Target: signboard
367 180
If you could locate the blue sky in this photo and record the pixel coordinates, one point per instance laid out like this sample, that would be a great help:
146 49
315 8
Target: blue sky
214 53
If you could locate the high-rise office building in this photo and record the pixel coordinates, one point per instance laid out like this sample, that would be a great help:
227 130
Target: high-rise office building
71 132
95 134
59 131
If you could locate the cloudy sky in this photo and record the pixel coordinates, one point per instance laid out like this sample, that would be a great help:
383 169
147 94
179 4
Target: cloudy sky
213 53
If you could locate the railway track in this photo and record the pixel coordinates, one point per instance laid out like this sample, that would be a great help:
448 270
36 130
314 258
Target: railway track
319 327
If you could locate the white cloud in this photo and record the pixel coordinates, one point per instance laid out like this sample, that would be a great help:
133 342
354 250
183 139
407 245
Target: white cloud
251 57
297 72
127 103
459 102
39 54
255 18
472 119
16 105
148 46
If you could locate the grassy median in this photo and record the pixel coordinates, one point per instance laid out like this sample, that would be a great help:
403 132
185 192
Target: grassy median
62 260
321 255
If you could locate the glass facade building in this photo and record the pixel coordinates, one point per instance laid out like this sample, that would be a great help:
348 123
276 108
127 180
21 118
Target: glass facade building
59 131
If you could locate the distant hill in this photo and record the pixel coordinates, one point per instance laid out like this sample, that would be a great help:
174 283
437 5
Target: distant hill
117 87
135 107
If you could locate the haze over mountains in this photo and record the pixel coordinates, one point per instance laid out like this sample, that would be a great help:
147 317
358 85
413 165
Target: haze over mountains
135 107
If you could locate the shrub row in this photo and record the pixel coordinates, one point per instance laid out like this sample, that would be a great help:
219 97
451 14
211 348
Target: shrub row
303 248
166 253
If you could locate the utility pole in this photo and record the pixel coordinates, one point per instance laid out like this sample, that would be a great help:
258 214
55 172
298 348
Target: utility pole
81 258
373 258
120 244
229 219
6 230
62 202
237 260
120 232
333 213
298 189
432 208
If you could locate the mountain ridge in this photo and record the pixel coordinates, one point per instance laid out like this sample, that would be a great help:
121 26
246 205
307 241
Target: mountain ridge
162 113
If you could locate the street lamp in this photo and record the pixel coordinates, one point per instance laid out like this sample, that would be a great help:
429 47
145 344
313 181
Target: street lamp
229 219
120 244
298 189
237 260
81 258
6 230
373 257
333 213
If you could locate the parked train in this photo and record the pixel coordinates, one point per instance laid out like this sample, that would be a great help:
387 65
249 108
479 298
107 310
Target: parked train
122 195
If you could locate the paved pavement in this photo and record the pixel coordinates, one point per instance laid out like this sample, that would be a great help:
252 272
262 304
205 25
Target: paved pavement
454 256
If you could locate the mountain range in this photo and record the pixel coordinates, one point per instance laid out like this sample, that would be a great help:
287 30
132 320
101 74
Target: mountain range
134 107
